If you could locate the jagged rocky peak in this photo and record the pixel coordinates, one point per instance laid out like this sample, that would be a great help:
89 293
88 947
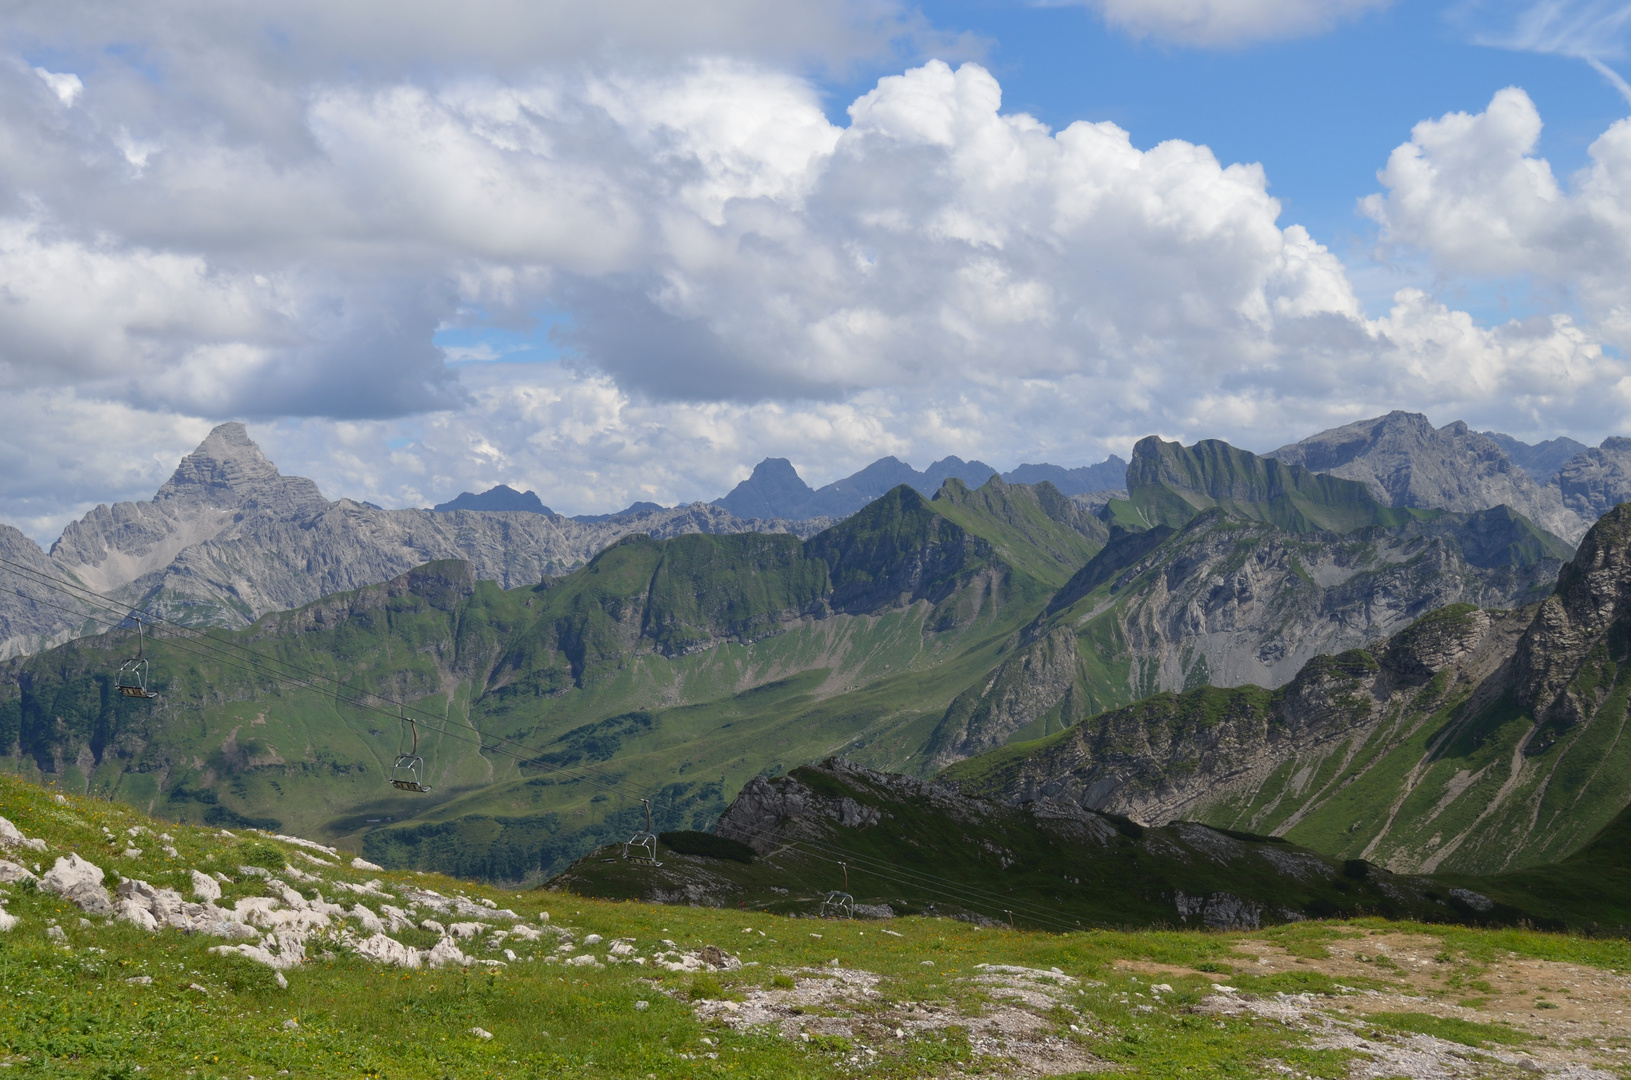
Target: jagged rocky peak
229 470
1584 624
1407 462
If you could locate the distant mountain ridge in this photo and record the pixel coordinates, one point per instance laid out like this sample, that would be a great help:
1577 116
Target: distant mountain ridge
1408 463
775 489
502 498
228 538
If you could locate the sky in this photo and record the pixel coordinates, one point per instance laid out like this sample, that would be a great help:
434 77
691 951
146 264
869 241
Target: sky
623 251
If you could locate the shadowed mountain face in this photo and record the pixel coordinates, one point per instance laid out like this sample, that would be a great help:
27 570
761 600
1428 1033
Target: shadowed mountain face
1474 741
1108 475
1542 460
776 490
915 847
501 498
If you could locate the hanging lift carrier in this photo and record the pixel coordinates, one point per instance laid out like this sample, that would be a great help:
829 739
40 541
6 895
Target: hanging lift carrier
839 905
408 772
642 846
132 678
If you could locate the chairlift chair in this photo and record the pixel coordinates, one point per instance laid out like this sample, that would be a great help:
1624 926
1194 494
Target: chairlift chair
132 678
839 904
408 771
642 846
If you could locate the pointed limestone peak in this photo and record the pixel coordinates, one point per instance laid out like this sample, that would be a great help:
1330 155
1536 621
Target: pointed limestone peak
229 470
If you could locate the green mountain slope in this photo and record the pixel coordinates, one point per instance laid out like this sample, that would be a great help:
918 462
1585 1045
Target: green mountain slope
1474 741
1227 569
674 670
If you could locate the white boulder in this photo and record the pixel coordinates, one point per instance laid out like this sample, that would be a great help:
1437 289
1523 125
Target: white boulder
80 882
11 873
12 837
446 952
388 950
205 887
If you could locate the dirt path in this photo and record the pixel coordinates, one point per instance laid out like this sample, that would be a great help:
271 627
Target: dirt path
1554 1018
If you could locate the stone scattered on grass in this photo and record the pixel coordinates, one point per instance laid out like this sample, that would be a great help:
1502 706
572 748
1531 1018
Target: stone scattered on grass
11 873
79 882
205 887
12 837
360 863
481 1033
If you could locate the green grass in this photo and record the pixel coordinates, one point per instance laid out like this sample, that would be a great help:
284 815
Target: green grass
70 1011
1465 1032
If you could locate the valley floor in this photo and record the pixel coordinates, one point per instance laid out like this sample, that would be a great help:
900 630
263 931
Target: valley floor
679 992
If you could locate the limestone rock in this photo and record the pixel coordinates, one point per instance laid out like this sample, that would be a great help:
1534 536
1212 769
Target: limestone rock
205 887
1405 461
12 873
386 950
1596 480
7 921
78 881
446 952
12 837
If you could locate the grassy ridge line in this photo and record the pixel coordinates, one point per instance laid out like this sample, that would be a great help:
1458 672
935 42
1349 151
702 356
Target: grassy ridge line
70 1009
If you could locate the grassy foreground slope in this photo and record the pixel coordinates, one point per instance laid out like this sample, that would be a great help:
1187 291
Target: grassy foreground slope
90 996
674 670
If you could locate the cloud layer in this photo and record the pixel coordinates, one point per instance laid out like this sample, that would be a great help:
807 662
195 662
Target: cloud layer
245 221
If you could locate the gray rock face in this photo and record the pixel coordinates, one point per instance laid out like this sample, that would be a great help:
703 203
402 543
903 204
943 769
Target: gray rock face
1595 481
1230 603
33 617
228 538
1542 460
79 882
1405 461
1154 766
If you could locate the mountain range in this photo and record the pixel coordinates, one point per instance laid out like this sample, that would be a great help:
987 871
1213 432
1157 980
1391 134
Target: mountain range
692 650
228 538
1474 741
776 491
914 633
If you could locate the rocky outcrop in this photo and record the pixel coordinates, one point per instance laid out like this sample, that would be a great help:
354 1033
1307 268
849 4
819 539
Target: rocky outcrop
1582 627
79 882
1038 678
1406 462
1596 480
896 845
